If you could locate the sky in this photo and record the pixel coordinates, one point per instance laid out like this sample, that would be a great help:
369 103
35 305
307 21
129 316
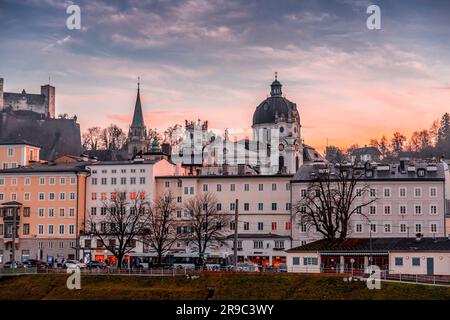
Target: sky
215 60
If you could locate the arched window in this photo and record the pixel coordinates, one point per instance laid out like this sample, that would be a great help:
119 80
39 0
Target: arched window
280 163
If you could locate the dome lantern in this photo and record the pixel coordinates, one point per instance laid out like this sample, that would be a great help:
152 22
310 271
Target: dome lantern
275 87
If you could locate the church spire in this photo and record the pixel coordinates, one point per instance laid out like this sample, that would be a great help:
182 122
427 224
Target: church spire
138 118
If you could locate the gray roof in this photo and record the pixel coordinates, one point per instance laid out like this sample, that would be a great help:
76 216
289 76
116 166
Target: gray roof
377 244
121 163
365 150
306 172
49 167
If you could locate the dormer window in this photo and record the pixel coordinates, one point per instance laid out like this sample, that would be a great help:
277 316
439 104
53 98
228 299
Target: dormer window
421 172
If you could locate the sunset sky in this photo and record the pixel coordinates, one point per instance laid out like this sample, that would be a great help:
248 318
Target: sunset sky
215 60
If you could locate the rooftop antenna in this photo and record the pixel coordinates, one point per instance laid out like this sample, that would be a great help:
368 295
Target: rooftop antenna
48 80
276 75
139 82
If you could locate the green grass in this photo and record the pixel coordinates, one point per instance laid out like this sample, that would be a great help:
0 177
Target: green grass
241 286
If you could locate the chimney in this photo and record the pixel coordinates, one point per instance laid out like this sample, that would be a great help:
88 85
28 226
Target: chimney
1 93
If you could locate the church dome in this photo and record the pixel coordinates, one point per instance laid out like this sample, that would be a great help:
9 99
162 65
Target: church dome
275 106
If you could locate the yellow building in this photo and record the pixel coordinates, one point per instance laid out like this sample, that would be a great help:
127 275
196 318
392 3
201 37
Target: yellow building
15 154
49 201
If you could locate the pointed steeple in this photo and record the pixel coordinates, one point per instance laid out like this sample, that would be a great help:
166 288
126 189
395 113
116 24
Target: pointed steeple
138 118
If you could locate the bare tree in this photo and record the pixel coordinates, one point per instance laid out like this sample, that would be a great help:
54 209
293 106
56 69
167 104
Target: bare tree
206 222
152 134
162 229
173 135
335 194
113 137
123 222
92 139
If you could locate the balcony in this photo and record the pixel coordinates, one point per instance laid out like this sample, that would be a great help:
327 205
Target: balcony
10 218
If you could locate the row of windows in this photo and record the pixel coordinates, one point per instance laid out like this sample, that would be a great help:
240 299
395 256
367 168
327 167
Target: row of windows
232 187
121 180
307 261
260 226
51 229
113 195
41 196
88 243
387 209
11 165
42 181
415 261
386 227
387 192
114 171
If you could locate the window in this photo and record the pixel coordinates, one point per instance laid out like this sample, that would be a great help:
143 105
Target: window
402 209
133 180
295 261
372 193
41 196
62 180
40 229
2 196
232 225
62 196
246 226
303 193
303 228
417 192
403 228
274 206
2 181
418 209
402 192
51 212
261 187
274 226
288 226
433 227
27 181
62 212
14 196
279 244
359 228
51 196
205 188
26 211
398 261
260 226
73 180
123 180
274 187
142 180
260 206
41 180
219 207
309 261
373 228
179 184
191 190
288 206
418 227
186 190
257 244
51 180
10 152
219 188
167 184
103 211
50 229
433 192
415 262
387 209
433 209
358 192
387 228
93 211
14 181
61 229
246 187
246 206
41 212
387 192
72 196
94 181
93 196
373 210
26 229
232 206
358 210
71 212
232 187
26 196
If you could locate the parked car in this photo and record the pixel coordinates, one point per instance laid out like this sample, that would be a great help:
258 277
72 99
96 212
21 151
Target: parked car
10 265
73 264
32 263
95 264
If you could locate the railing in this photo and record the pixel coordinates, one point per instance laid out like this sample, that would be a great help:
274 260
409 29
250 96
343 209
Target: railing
17 271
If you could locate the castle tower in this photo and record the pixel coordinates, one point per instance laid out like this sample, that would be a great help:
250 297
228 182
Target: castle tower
137 135
48 92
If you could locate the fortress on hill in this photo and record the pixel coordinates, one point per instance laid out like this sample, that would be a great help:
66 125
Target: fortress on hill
31 118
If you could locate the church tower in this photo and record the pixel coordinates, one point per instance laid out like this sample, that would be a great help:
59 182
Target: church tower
276 124
137 135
